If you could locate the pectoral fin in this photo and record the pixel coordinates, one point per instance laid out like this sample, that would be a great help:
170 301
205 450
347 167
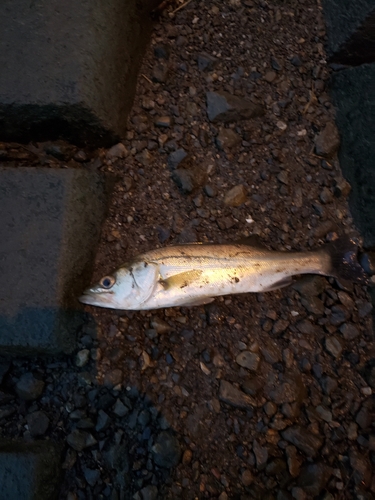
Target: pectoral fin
181 280
279 284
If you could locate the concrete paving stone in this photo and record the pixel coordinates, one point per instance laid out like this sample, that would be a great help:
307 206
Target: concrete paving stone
68 69
353 93
29 471
350 29
50 221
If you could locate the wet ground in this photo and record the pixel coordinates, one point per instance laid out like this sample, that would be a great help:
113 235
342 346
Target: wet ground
264 396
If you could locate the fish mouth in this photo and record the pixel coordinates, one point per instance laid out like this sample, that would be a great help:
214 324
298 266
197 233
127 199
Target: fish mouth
97 299
86 299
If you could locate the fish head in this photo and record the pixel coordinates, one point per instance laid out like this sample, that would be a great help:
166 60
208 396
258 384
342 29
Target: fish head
127 288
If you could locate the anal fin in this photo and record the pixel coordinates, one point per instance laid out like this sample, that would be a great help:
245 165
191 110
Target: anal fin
279 284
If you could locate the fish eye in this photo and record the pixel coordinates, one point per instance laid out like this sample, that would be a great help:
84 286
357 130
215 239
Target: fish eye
107 282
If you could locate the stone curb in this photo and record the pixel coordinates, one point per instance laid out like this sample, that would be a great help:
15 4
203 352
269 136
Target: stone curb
51 221
69 68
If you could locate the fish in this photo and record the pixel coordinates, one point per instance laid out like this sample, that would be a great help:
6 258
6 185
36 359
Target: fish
195 273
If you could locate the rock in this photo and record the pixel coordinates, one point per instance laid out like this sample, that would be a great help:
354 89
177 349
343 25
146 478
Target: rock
206 62
304 440
276 467
175 158
270 351
284 393
283 177
294 464
160 72
326 196
120 409
339 314
247 477
148 104
328 141
29 388
275 64
249 360
37 423
163 121
296 61
227 138
323 229
324 414
224 107
342 188
103 421
79 440
91 475
361 467
160 326
187 235
363 418
367 261
333 346
270 76
328 384
162 51
166 450
189 179
82 357
59 149
144 158
346 300
352 431
234 397
113 377
270 409
210 191
261 455
349 331
298 493
313 305
252 386
187 457
306 327
364 309
236 196
370 373
127 183
310 286
80 156
283 495
163 234
117 151
280 326
116 457
149 492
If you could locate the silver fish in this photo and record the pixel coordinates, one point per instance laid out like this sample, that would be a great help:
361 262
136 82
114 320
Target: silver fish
193 274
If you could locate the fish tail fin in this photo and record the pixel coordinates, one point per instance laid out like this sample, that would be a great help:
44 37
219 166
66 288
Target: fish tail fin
343 261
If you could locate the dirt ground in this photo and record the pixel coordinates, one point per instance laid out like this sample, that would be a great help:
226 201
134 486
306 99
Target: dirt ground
259 396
